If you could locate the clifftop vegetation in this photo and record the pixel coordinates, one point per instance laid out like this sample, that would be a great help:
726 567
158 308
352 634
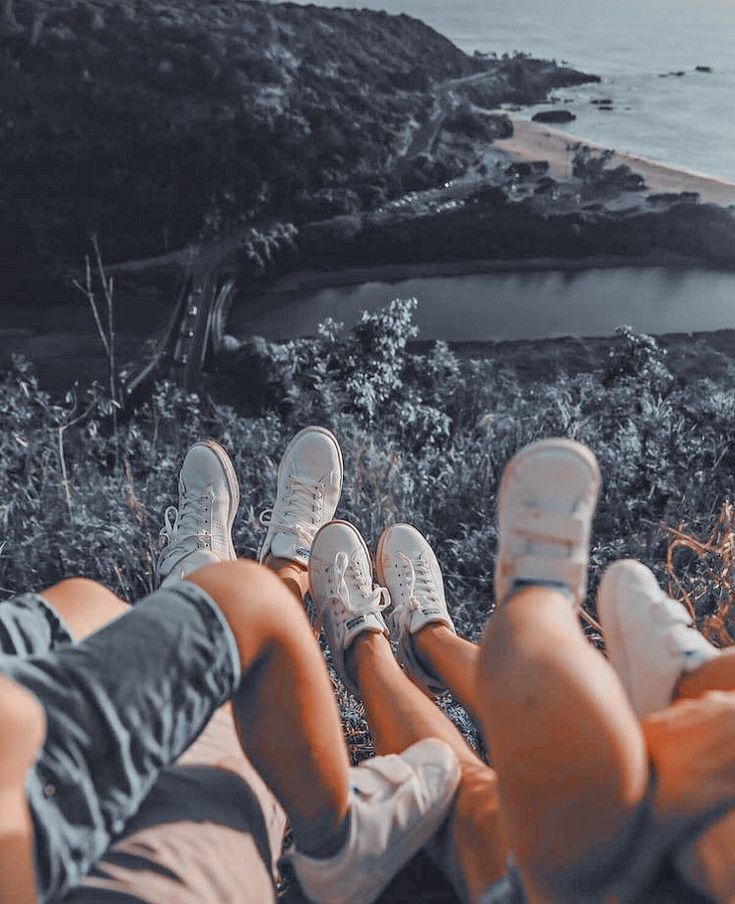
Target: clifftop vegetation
154 122
425 437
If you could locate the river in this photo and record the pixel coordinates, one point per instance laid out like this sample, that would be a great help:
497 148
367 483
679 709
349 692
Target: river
477 307
513 305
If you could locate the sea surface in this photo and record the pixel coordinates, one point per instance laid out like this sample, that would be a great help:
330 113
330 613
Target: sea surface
687 121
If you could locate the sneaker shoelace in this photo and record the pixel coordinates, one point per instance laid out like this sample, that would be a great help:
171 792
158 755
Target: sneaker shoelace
419 582
376 599
180 531
299 504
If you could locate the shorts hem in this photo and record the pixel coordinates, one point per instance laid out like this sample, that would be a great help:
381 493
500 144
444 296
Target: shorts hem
197 595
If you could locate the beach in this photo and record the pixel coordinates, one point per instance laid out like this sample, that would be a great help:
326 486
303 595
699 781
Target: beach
538 141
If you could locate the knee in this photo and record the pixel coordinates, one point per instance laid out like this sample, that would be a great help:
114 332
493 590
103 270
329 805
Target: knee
22 730
85 601
253 599
79 588
476 811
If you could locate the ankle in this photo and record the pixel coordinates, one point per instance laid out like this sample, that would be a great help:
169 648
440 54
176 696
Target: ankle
322 845
293 574
279 564
711 674
365 650
527 593
426 640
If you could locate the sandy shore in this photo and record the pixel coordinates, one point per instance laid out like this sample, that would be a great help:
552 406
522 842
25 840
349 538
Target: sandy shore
538 141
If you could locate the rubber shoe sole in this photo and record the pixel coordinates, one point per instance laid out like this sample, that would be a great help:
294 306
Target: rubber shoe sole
233 485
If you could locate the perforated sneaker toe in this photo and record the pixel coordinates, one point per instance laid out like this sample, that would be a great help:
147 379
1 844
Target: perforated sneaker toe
341 585
406 565
199 531
308 489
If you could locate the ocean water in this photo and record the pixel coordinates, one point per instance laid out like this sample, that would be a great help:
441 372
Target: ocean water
686 121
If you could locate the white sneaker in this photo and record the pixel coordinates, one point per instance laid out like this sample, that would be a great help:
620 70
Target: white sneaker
650 639
406 565
341 585
545 504
308 490
397 803
199 531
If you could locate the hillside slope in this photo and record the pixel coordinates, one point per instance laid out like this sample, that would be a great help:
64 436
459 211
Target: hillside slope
152 123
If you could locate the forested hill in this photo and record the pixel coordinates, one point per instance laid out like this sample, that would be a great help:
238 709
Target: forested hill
154 121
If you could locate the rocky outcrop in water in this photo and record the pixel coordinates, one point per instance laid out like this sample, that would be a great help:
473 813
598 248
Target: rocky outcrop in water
553 116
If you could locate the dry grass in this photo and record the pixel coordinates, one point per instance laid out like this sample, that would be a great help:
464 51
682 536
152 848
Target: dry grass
701 574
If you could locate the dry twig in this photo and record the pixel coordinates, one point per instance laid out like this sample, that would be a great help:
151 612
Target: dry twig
709 580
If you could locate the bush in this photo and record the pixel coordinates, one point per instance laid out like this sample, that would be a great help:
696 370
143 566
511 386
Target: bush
595 173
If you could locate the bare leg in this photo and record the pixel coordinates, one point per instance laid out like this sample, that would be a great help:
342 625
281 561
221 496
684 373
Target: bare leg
452 660
84 606
474 851
715 675
22 730
285 708
707 861
288 719
294 575
568 748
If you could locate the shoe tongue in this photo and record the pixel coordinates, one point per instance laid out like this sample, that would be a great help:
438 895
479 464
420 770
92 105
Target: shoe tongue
287 546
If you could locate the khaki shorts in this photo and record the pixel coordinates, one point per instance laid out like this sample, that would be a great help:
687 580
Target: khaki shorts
210 831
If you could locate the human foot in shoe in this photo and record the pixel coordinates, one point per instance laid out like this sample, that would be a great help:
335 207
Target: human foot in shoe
650 639
406 565
308 490
199 531
396 804
341 585
547 496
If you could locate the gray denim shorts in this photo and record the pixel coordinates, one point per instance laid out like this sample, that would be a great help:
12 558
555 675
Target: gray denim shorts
121 706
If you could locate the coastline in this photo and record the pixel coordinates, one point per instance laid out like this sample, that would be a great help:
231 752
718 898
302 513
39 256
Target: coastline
532 141
538 141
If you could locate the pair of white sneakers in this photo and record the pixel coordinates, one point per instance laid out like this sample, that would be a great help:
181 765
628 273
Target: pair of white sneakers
300 528
546 502
547 498
545 506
